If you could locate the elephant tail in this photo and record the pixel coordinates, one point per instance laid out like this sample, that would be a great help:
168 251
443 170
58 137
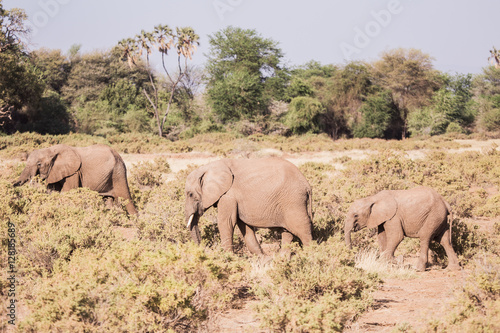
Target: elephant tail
450 217
309 204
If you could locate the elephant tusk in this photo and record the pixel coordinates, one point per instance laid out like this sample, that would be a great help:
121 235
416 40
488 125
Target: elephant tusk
190 220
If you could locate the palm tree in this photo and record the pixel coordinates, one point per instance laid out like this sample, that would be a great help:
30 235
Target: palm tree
161 39
494 58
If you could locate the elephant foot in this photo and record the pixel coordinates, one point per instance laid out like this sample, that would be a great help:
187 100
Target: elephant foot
421 267
454 267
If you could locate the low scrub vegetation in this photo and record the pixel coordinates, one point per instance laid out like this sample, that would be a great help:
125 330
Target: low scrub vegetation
84 267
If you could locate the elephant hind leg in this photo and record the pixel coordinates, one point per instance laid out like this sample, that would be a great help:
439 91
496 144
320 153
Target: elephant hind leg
453 263
121 190
300 225
248 233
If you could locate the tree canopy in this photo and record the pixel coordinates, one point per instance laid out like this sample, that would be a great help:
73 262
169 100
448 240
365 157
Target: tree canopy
243 73
243 86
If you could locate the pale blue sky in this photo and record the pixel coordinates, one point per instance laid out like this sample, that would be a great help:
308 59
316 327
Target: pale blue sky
457 33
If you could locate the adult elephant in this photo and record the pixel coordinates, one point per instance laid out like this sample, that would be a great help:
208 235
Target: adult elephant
97 167
419 213
251 193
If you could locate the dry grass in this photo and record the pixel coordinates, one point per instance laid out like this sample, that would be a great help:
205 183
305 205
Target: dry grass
370 261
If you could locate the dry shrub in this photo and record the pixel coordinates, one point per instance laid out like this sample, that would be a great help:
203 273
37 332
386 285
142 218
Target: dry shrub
318 289
50 227
134 287
150 173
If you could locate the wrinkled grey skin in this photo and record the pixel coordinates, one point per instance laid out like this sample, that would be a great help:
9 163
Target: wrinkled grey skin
250 193
97 167
418 213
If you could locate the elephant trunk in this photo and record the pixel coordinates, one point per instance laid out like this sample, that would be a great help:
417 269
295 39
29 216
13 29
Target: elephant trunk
27 174
347 235
192 224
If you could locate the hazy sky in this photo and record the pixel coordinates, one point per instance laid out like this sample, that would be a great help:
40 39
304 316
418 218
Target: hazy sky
458 34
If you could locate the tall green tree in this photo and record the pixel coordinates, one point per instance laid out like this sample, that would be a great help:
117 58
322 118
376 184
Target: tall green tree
304 115
378 113
487 96
101 89
410 77
244 72
162 39
20 82
54 67
451 107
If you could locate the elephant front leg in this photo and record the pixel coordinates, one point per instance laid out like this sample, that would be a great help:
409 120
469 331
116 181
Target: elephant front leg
382 238
226 220
70 183
248 233
393 236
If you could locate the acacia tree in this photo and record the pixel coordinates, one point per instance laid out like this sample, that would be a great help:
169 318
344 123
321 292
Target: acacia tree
410 77
244 73
12 29
161 39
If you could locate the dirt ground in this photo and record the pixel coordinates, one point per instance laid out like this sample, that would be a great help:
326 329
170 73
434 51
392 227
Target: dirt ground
399 305
403 304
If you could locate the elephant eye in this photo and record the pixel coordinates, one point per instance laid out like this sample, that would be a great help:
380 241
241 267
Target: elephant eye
355 216
190 194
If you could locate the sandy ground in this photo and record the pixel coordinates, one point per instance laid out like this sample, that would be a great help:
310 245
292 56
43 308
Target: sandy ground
182 160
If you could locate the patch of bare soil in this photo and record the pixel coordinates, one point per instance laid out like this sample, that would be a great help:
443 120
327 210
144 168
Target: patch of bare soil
242 320
409 304
180 161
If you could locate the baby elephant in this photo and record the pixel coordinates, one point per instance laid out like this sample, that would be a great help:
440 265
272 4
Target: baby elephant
419 213
97 167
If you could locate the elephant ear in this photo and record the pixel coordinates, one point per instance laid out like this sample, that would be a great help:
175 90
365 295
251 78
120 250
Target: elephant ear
66 162
215 182
383 208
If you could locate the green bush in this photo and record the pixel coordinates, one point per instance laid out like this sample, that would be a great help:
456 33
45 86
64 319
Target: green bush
378 111
303 115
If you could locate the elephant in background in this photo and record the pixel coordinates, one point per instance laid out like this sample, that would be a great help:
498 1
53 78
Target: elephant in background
251 193
97 167
418 213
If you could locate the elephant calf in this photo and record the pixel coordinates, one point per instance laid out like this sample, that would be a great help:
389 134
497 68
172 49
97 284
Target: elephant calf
97 167
419 213
251 193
